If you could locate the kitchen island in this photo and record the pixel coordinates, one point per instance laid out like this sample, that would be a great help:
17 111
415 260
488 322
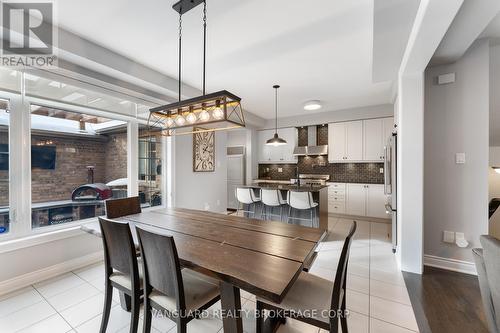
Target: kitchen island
299 217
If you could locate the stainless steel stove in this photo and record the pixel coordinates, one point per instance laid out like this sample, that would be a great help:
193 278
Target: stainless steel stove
311 179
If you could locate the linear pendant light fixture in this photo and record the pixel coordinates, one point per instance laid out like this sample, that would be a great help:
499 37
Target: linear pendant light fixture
216 111
276 140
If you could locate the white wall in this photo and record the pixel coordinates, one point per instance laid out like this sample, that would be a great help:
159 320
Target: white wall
456 121
200 190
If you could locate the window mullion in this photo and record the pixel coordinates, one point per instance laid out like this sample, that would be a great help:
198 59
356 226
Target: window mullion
132 158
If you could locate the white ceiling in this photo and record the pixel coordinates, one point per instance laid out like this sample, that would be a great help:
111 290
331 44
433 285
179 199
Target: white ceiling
318 49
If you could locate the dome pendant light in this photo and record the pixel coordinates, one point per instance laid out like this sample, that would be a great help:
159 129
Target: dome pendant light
276 140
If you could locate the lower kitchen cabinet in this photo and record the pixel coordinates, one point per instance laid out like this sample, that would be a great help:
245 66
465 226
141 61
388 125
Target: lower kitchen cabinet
357 199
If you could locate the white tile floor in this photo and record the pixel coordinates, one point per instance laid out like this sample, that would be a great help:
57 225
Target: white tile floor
377 296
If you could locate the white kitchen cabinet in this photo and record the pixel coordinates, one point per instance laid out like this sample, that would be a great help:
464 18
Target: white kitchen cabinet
336 142
373 138
375 201
356 199
354 145
277 154
375 135
345 141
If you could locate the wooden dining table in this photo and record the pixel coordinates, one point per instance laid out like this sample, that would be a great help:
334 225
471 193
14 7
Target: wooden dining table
263 258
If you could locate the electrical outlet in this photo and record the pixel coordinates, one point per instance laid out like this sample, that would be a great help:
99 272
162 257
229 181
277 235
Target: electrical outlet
460 158
448 237
280 169
381 170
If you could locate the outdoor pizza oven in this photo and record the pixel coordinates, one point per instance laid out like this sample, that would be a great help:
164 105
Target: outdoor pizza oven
87 192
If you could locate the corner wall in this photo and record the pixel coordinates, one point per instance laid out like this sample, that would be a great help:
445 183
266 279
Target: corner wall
457 121
200 190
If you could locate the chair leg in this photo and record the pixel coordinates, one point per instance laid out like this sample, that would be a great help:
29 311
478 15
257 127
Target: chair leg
312 218
134 313
108 296
259 320
147 316
281 213
289 213
343 319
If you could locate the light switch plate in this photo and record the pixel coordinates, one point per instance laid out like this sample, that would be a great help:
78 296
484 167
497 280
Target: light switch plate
460 158
280 169
448 237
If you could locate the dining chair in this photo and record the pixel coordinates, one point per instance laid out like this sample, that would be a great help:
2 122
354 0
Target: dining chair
324 300
301 200
271 199
121 269
124 206
179 294
246 196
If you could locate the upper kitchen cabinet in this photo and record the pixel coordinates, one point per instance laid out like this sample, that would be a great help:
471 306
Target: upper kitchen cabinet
277 154
345 141
375 135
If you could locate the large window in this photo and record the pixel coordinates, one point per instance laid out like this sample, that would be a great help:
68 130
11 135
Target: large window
77 161
4 167
77 155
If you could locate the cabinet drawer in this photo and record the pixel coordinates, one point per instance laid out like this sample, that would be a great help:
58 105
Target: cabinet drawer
336 197
335 193
336 186
336 207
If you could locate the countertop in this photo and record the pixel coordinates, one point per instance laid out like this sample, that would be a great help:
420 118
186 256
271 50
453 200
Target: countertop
289 187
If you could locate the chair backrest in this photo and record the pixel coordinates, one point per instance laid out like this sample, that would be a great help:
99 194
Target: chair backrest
270 197
491 253
162 269
119 249
484 287
300 200
245 195
339 285
120 207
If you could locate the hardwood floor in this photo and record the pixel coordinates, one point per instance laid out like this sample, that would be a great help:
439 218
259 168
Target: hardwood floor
445 301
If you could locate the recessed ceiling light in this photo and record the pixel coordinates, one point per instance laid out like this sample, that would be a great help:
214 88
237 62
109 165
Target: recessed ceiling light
94 100
124 102
72 97
57 84
31 77
312 105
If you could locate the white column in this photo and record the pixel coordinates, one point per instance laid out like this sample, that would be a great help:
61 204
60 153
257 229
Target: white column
170 174
411 171
132 158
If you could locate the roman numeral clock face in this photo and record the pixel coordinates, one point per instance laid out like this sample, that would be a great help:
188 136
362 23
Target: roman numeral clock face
204 152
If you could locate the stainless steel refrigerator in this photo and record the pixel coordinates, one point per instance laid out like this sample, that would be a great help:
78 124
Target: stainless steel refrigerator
390 182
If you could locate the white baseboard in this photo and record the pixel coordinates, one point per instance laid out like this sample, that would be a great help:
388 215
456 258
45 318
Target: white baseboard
28 279
450 264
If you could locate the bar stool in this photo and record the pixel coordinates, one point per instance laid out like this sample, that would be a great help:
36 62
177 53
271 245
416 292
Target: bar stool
246 196
301 201
270 199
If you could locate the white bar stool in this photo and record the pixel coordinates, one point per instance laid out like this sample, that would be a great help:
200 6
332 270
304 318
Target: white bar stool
301 201
246 196
270 199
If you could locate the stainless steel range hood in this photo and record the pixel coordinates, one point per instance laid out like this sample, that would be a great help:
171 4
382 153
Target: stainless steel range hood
312 148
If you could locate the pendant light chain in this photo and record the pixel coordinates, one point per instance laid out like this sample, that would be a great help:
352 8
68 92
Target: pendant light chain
276 108
204 42
180 53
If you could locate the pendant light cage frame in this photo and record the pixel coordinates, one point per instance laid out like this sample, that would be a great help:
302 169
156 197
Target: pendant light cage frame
215 111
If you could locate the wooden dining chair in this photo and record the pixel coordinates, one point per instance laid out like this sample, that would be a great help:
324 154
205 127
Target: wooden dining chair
323 300
121 269
124 206
177 293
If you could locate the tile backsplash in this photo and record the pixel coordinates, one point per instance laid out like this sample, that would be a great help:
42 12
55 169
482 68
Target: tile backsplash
368 173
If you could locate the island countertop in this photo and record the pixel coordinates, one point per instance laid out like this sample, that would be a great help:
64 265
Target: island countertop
289 187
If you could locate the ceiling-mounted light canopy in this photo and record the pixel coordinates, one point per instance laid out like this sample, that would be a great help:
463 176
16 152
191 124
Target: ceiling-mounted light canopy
210 112
312 105
276 140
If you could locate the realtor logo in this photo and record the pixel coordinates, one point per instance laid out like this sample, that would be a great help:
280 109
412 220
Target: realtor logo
28 34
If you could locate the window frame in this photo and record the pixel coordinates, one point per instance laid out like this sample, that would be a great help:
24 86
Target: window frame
20 203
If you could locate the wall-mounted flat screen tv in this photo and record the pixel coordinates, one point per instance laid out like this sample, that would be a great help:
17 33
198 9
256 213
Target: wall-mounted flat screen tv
42 157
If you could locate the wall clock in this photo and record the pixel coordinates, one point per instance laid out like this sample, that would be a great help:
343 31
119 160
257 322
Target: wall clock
204 151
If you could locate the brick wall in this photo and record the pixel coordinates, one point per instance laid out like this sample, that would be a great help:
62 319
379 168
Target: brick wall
73 155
